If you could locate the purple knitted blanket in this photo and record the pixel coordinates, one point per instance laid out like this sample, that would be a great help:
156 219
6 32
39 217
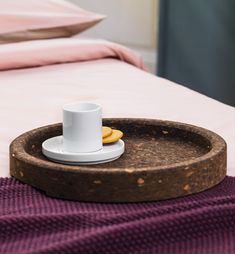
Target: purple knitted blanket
30 222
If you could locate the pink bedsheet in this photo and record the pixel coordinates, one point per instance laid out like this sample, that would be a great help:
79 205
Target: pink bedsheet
33 97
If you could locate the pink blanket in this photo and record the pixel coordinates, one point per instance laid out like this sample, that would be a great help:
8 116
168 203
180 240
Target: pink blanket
46 52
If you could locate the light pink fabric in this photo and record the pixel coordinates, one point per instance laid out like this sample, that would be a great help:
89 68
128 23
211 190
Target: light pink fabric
45 52
20 15
33 97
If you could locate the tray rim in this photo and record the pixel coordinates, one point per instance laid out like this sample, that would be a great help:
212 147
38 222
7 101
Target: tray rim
218 144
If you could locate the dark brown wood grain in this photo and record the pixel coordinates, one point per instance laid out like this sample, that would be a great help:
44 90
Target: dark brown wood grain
162 160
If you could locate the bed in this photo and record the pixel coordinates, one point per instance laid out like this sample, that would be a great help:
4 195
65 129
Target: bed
37 77
32 97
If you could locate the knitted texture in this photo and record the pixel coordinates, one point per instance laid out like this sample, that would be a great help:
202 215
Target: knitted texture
31 222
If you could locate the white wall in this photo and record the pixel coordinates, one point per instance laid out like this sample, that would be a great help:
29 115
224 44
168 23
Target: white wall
129 22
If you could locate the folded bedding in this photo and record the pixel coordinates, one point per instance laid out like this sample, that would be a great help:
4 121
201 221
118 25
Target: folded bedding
202 223
62 50
63 70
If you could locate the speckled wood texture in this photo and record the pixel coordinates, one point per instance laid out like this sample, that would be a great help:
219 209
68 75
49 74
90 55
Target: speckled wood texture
163 160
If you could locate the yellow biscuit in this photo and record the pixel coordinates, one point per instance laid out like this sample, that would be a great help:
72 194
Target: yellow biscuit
115 136
106 131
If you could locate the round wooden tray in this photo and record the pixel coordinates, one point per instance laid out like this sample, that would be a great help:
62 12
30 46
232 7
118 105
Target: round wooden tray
162 160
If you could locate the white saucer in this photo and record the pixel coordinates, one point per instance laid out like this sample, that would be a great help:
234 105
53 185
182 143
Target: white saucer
52 149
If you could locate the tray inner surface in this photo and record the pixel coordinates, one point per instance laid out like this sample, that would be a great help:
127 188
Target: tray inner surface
147 146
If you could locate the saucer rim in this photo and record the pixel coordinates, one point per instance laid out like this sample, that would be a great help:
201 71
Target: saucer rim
108 152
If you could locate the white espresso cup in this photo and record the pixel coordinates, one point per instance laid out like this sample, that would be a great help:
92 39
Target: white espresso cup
82 127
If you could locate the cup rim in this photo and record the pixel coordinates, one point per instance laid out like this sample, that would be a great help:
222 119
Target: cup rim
81 107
